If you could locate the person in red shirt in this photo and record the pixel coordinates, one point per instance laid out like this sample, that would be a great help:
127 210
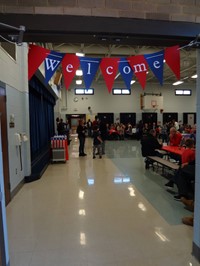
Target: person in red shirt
175 137
189 152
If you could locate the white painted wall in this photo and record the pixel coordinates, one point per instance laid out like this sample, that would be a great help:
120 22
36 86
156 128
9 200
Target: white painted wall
102 101
14 74
2 202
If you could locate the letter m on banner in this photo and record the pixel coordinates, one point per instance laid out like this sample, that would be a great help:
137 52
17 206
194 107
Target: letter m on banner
52 61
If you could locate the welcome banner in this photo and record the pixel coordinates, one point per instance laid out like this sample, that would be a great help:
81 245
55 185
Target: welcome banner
137 65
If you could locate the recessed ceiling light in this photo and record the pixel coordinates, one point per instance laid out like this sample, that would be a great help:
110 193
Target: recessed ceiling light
79 82
80 54
132 81
177 83
79 73
194 76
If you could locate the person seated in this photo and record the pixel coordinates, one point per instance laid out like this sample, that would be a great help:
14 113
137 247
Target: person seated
185 175
175 137
185 181
149 144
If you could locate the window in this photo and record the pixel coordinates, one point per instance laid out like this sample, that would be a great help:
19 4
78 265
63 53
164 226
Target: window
121 92
10 48
84 91
183 92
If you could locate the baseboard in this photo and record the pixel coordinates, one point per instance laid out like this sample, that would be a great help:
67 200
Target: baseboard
196 251
16 190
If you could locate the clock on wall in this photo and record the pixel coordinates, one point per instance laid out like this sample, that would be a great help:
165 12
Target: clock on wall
75 99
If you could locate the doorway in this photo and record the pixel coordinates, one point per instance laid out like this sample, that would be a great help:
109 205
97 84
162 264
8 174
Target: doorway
189 119
126 118
4 143
107 118
168 117
149 118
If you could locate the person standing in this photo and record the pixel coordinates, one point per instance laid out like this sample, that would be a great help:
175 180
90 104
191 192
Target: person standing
81 131
97 142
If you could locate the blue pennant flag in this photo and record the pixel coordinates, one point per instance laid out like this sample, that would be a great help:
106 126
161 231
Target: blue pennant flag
89 67
126 72
155 62
52 61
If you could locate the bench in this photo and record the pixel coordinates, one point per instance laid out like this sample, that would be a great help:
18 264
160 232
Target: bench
163 162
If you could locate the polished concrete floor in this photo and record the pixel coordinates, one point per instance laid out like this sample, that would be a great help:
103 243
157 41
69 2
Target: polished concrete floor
99 212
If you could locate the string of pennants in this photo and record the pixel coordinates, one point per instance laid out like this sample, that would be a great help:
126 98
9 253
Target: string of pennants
134 65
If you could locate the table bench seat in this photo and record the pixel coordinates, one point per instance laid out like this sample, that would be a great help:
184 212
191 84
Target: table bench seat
163 162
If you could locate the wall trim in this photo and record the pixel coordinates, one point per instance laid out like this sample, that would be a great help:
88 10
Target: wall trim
196 251
17 188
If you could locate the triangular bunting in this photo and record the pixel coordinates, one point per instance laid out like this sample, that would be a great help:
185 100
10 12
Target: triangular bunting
52 61
139 67
109 68
70 64
155 62
172 57
36 56
89 67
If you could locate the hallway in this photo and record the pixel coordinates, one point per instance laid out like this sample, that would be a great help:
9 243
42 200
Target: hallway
99 212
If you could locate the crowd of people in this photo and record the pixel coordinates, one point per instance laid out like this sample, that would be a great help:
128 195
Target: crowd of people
184 178
152 137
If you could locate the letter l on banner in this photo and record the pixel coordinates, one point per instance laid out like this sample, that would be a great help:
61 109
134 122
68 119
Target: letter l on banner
89 67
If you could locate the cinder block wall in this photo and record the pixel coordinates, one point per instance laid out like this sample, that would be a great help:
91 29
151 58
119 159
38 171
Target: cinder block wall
170 10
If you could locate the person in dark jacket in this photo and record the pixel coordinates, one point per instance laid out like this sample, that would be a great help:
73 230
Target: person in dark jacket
149 144
81 130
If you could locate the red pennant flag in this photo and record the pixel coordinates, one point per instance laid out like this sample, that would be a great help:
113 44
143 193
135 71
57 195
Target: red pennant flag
172 57
109 67
36 56
139 67
70 64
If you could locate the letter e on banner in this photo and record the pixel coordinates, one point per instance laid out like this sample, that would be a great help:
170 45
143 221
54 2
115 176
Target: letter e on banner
70 64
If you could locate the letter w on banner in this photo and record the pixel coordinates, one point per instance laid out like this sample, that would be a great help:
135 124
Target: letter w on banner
70 64
139 66
52 61
89 67
36 56
109 67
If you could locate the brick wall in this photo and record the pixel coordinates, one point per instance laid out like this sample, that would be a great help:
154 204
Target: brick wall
170 10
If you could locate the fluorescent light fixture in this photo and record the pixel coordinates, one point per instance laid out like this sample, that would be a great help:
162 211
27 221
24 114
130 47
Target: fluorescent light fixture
82 91
194 76
79 82
125 91
89 91
80 54
183 92
177 83
121 91
79 73
117 91
132 82
117 75
79 91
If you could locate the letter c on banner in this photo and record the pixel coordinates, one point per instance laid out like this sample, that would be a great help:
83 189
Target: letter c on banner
107 70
